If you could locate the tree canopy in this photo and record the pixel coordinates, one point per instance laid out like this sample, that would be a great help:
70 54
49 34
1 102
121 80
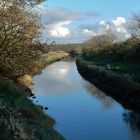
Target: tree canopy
19 28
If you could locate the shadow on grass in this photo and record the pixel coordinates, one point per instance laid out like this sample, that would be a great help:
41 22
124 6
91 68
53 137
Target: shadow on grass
19 113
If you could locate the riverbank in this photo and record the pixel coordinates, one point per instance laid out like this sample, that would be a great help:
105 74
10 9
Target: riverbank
25 77
121 87
20 71
20 119
45 60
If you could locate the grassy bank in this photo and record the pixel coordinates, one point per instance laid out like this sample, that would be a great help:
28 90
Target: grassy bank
45 60
25 78
31 66
113 68
130 68
20 119
121 87
21 57
120 57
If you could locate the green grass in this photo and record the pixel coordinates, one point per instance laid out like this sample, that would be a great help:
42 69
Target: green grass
131 67
120 57
14 98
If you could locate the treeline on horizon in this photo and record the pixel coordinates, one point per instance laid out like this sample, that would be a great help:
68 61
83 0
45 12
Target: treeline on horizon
121 57
107 44
100 46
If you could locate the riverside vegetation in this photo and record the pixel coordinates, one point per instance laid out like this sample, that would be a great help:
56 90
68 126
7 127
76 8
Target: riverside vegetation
20 119
20 58
24 119
114 66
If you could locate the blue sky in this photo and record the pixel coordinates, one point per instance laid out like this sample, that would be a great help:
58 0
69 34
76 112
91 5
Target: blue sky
71 15
107 8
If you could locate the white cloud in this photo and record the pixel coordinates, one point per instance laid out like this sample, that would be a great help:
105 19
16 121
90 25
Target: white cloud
88 33
62 25
102 23
120 24
65 26
103 27
119 21
58 30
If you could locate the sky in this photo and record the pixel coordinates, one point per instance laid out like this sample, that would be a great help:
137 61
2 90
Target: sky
75 21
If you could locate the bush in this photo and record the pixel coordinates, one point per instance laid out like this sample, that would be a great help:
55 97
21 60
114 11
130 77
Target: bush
127 50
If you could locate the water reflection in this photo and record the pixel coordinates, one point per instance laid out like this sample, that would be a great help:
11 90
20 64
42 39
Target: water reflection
133 121
55 79
106 101
82 112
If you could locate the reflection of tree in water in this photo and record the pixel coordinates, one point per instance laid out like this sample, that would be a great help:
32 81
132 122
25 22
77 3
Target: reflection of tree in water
107 102
133 120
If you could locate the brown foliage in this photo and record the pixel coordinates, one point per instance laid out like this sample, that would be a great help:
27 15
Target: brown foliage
19 26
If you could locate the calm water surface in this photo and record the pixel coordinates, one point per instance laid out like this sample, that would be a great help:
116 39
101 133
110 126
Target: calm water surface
82 112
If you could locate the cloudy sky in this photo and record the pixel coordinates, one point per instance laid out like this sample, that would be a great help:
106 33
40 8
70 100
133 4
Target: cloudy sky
74 21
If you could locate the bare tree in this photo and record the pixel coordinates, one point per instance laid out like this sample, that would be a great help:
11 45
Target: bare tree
135 25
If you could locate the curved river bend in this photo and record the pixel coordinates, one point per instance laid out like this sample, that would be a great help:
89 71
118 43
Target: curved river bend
82 112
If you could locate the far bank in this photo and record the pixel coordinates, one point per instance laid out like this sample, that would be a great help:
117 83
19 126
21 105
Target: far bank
121 87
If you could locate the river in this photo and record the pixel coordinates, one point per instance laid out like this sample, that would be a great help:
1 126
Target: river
82 112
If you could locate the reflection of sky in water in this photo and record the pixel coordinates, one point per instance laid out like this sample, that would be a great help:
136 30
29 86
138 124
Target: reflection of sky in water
82 112
56 79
